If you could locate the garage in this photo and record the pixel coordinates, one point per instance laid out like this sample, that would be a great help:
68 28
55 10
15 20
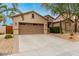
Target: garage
33 23
31 28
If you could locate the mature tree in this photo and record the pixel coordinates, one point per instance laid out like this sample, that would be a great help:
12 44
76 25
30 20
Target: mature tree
66 10
1 17
7 11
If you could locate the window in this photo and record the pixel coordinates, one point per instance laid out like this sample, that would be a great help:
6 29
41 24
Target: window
33 16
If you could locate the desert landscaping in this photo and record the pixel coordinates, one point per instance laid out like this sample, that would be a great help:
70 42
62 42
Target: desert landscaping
67 36
7 45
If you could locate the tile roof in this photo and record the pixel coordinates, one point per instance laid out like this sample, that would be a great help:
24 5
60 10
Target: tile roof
51 18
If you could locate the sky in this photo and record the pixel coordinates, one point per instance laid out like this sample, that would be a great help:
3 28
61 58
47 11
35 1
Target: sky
25 7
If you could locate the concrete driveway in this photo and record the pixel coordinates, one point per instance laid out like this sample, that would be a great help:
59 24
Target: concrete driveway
42 45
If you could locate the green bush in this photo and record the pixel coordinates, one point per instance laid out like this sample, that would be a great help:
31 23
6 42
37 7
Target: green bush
55 30
8 36
9 32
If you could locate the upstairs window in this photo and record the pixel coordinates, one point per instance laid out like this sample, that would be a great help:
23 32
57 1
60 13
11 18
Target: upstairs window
33 16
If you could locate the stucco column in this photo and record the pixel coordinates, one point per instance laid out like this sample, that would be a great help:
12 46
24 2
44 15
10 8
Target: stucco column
45 29
60 27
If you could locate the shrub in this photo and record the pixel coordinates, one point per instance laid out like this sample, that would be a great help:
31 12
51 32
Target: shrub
71 34
9 32
8 36
55 30
62 32
71 37
1 33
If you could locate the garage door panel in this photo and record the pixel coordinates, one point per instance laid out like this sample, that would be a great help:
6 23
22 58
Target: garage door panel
31 28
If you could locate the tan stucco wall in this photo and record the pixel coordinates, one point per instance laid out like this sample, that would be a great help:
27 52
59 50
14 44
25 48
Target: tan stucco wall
28 19
60 18
56 24
63 26
49 18
67 25
78 26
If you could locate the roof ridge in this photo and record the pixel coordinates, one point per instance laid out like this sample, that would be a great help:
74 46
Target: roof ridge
49 16
29 12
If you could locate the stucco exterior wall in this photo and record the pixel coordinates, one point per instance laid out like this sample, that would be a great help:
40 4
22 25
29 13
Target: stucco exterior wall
3 29
56 24
78 26
28 19
63 26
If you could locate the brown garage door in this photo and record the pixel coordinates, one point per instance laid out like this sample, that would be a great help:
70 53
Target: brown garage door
29 28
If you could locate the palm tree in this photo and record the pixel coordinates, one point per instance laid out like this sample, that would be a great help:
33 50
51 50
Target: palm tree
7 11
1 17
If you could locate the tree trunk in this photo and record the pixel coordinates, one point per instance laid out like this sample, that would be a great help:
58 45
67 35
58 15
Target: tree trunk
60 27
75 25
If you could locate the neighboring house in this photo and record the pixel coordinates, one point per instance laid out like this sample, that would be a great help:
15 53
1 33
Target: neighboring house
33 23
3 29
